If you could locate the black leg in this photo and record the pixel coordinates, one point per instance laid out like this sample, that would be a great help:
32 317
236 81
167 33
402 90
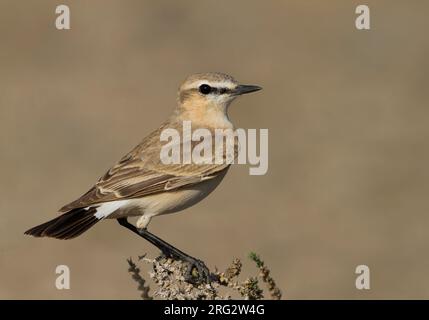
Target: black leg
172 252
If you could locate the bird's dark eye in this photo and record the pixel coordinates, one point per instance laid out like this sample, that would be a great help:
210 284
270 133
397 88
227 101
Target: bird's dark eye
205 89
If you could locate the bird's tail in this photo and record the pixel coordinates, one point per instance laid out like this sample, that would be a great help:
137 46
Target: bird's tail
67 226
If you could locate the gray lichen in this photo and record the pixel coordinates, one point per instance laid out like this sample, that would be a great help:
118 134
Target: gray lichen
168 276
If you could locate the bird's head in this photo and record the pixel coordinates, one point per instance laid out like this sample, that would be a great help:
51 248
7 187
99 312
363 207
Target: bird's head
207 96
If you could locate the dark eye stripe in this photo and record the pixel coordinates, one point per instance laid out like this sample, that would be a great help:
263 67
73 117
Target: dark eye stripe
213 90
222 90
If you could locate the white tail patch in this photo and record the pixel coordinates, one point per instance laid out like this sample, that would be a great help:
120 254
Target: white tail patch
107 208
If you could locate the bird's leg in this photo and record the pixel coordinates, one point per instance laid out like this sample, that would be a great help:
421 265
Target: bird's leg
172 252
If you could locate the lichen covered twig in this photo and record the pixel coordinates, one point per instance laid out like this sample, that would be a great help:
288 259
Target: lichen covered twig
168 276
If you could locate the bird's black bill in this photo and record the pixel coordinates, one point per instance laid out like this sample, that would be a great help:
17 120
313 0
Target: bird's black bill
243 89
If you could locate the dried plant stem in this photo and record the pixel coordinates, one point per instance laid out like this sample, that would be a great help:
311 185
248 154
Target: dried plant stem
135 274
275 292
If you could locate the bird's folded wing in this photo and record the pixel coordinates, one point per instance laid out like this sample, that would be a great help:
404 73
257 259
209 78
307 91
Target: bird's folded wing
133 181
141 172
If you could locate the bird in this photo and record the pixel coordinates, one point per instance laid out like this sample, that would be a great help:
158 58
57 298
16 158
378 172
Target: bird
141 185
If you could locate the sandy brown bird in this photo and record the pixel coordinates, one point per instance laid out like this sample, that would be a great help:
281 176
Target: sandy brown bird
140 184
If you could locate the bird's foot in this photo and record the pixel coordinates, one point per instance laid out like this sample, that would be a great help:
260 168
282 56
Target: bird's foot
197 272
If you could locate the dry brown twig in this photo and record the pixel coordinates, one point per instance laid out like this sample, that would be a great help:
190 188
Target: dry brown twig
169 279
275 292
135 275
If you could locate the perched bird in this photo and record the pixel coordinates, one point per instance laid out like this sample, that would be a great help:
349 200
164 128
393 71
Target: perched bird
140 184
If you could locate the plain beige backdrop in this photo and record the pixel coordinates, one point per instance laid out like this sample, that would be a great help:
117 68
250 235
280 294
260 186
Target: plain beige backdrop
348 119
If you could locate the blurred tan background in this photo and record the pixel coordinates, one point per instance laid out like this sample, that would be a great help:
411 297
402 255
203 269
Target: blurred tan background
348 119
